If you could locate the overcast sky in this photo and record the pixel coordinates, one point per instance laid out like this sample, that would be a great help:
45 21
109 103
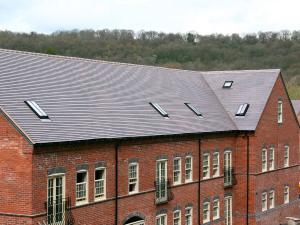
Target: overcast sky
202 16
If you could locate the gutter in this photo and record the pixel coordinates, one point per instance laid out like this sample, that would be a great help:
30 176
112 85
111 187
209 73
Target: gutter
116 182
247 182
199 180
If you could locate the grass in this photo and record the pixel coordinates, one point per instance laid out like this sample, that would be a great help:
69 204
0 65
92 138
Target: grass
294 91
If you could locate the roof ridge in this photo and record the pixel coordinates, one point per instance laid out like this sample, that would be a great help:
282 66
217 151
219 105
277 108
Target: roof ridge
129 64
220 102
94 60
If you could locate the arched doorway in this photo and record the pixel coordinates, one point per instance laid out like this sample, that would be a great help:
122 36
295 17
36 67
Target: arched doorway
135 220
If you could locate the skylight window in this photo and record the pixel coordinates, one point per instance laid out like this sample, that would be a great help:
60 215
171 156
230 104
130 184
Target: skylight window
242 110
159 109
37 109
194 109
227 84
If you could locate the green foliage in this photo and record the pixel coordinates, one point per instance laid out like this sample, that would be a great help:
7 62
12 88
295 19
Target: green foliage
187 51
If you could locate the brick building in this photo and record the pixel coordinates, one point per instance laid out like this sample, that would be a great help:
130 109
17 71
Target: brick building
93 142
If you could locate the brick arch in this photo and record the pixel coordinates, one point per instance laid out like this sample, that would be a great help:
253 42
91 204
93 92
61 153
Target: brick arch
133 217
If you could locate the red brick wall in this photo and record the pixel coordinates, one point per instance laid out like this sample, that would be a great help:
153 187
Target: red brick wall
268 133
16 175
146 152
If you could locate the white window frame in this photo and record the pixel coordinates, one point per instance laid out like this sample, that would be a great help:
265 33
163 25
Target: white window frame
228 210
96 196
271 158
286 194
131 180
53 196
189 170
206 168
271 199
216 209
264 201
177 171
264 160
82 200
279 111
228 168
206 210
188 215
160 217
175 217
216 164
286 161
160 175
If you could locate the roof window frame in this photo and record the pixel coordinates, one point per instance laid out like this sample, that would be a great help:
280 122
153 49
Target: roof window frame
194 109
242 110
159 109
228 84
37 109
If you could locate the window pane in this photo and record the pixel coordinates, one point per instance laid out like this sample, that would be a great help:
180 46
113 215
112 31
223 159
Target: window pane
188 168
205 166
264 160
216 164
216 209
176 170
132 177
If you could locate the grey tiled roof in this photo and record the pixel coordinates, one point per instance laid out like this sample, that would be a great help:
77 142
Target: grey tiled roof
296 105
89 99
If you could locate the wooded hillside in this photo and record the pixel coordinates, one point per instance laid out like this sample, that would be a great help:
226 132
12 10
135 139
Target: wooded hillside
186 51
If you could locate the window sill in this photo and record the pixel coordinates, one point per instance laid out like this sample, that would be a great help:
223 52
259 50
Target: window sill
216 218
133 192
99 199
79 203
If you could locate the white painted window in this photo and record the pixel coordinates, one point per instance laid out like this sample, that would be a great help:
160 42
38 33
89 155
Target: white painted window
216 209
100 183
177 217
264 160
161 180
188 168
264 201
206 212
228 210
286 156
228 168
205 167
271 158
177 171
188 216
216 164
56 199
81 187
133 178
271 199
161 219
279 113
286 194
